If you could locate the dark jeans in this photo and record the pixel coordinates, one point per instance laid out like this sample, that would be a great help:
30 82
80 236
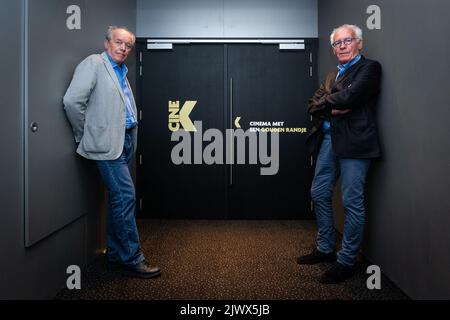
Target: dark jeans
353 175
123 237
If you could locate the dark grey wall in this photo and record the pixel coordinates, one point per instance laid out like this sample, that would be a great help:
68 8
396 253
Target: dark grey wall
408 220
227 18
11 222
40 168
52 53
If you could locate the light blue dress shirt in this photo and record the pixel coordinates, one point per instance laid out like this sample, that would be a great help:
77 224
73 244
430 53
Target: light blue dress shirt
121 73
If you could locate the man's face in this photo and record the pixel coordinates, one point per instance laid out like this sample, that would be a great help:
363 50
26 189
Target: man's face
346 52
120 45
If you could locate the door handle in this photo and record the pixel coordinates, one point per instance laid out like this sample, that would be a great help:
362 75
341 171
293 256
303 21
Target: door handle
34 127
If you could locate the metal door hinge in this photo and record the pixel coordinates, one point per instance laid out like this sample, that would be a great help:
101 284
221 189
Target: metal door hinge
140 203
140 159
140 71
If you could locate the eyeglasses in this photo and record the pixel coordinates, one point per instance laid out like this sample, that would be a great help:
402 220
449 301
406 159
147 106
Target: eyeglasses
119 43
346 41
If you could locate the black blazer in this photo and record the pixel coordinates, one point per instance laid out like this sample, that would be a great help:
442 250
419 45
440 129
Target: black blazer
355 134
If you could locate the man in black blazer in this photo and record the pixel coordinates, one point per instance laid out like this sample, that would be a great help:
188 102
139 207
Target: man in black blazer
344 139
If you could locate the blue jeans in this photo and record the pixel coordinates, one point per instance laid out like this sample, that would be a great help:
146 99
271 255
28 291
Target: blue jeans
353 175
122 233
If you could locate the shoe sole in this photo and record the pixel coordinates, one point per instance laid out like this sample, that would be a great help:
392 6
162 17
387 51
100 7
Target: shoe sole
140 275
326 280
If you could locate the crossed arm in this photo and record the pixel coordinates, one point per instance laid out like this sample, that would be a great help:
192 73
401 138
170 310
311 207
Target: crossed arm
318 104
365 84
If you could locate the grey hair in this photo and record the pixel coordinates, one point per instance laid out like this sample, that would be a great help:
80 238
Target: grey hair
356 30
109 32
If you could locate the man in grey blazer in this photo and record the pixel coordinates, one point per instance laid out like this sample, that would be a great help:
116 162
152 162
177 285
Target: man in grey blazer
100 106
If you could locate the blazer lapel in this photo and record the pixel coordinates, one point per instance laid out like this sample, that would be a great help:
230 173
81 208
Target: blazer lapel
348 71
341 78
112 74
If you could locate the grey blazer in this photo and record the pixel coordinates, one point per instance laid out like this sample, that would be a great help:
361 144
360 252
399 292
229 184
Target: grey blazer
95 106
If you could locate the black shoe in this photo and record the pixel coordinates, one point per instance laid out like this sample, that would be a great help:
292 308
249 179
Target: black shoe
337 273
317 257
141 270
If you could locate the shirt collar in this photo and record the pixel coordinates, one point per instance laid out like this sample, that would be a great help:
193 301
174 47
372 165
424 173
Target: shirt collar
115 65
350 63
122 68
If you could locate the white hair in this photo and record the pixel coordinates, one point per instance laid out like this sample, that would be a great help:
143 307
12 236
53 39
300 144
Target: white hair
356 30
109 32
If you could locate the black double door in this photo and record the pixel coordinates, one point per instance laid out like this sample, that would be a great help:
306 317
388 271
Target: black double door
224 86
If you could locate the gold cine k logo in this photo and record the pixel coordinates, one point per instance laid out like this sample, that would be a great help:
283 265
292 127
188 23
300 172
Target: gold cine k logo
177 116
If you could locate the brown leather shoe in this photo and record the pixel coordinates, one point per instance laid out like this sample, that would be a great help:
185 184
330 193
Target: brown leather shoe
141 270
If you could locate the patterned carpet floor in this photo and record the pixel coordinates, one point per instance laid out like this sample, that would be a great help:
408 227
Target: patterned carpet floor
226 260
